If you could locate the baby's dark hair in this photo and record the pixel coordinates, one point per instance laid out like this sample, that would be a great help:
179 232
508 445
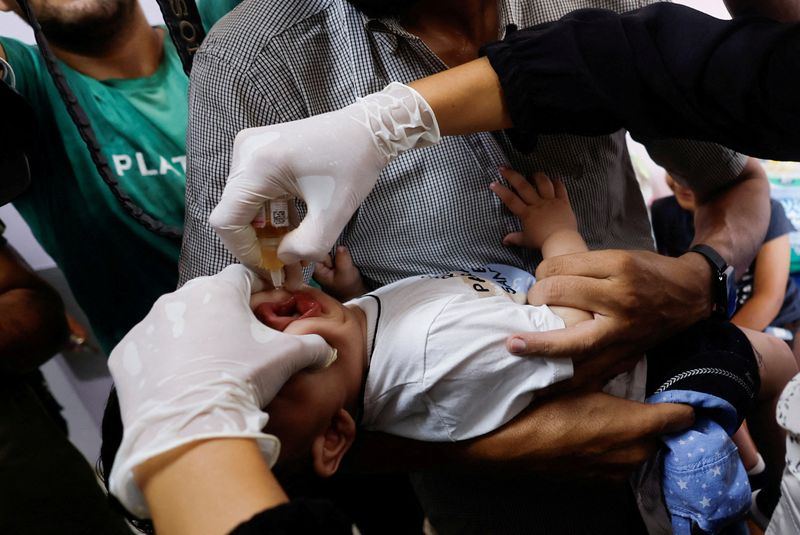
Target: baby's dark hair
111 440
295 464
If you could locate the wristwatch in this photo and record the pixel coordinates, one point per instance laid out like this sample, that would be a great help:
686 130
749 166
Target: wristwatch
723 282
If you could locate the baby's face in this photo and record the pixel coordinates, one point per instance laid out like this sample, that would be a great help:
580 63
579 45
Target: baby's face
307 402
310 311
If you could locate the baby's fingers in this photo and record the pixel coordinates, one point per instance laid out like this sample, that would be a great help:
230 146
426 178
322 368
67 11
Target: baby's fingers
544 186
509 198
344 261
520 184
560 189
324 272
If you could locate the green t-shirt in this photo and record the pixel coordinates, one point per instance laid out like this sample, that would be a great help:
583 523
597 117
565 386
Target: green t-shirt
213 10
115 267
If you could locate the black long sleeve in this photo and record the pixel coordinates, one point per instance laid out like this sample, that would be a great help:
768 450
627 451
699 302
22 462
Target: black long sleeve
297 517
664 71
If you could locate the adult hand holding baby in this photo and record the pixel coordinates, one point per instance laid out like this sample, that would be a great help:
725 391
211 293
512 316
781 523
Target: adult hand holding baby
331 161
638 298
201 366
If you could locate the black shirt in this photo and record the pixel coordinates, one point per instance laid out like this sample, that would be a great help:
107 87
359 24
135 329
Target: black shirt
664 71
299 517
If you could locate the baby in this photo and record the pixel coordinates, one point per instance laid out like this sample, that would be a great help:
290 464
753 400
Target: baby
426 358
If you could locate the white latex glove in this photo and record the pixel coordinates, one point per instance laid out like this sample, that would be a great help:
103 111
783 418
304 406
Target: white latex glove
198 366
331 161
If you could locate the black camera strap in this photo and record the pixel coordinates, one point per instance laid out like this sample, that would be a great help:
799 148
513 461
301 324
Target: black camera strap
183 21
185 27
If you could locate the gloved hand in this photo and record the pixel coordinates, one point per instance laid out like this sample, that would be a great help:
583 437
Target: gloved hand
198 366
331 161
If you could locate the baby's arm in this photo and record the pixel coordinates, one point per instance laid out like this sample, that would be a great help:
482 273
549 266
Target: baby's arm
340 278
548 223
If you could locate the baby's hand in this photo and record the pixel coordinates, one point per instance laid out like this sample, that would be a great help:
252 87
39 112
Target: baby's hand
543 210
341 278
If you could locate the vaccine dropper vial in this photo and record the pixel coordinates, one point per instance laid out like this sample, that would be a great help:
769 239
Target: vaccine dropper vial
270 228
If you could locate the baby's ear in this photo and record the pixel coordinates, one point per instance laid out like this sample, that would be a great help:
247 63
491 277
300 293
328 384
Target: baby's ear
329 447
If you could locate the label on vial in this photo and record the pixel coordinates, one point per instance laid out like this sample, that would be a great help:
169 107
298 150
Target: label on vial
279 213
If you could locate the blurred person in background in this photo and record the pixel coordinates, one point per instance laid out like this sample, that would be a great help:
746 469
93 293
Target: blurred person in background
765 296
46 485
765 293
128 78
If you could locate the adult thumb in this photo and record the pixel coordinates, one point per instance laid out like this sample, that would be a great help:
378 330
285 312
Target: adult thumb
669 418
310 241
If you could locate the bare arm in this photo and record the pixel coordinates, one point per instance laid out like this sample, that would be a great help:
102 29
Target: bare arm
230 482
581 435
707 94
32 322
734 220
769 285
473 86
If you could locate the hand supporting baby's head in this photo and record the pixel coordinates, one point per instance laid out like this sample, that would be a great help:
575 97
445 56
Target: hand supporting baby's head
314 413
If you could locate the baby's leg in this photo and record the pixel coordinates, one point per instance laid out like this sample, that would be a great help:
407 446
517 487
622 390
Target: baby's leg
776 363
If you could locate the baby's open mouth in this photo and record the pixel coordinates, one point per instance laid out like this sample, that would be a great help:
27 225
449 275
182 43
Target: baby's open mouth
278 316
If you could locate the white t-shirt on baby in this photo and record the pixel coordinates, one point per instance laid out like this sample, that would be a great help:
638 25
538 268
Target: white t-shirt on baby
439 368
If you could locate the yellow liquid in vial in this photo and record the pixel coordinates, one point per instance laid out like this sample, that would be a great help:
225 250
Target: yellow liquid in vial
269 237
269 248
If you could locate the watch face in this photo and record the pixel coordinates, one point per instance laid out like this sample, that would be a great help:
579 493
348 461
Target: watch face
730 285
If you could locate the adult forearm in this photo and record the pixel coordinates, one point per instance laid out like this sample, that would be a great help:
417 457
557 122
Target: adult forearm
465 99
595 72
208 488
735 220
582 435
782 10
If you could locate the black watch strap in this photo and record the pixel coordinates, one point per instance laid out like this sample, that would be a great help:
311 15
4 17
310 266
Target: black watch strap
718 264
719 282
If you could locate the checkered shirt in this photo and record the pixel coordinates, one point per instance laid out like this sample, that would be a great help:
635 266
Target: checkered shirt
272 61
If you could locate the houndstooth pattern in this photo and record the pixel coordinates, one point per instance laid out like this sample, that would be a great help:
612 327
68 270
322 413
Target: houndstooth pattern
272 61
